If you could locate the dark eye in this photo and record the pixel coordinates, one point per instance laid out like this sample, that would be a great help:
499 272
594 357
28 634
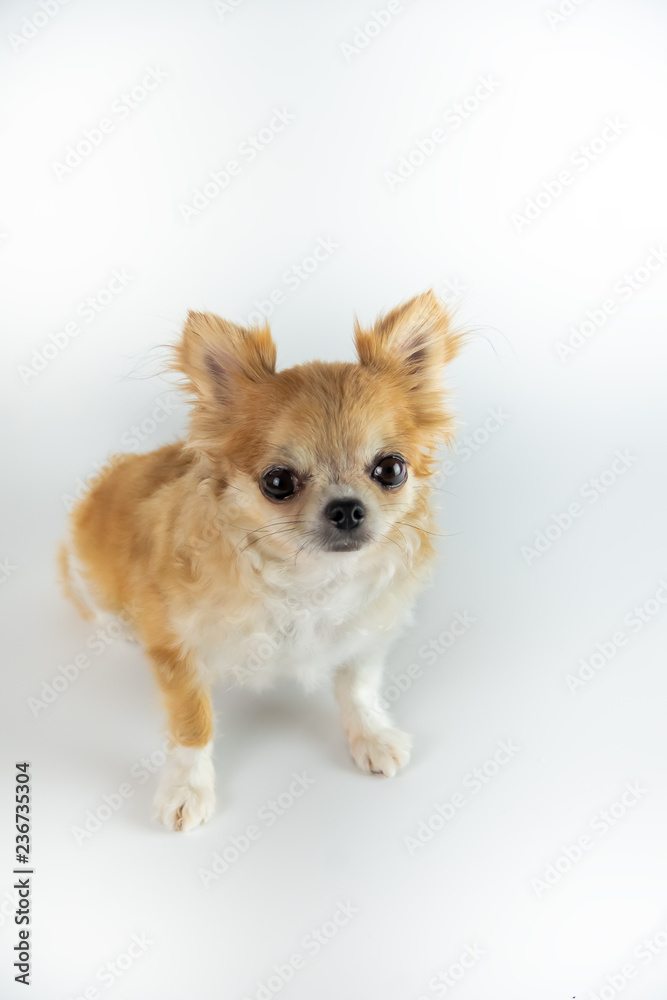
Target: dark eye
278 484
390 471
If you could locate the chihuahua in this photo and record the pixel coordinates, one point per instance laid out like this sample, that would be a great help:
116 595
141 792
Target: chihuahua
287 535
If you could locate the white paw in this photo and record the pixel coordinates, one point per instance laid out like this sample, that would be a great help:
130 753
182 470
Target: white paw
186 793
381 752
182 807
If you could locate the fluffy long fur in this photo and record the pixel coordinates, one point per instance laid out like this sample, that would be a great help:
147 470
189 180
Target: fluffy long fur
217 580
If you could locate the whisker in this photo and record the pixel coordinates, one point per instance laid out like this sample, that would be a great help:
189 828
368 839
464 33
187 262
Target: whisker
440 490
302 547
263 528
285 520
438 534
403 551
278 531
402 536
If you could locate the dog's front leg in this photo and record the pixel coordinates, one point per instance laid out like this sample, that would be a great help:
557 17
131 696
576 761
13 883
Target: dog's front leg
376 746
186 791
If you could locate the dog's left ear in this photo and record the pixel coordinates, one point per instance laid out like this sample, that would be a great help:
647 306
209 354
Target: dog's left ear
415 340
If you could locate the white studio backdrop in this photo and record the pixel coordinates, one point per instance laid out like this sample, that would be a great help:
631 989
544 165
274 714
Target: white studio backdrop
307 162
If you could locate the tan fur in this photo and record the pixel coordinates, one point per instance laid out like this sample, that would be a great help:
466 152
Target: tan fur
182 535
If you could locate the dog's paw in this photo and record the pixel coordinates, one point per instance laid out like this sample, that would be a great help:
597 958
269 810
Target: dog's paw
186 793
381 752
182 807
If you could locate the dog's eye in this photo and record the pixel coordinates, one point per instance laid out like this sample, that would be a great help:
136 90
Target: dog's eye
278 484
390 471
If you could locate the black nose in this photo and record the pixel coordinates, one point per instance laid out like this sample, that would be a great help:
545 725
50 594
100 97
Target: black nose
345 514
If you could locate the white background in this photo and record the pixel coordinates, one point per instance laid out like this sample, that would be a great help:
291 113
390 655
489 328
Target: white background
453 224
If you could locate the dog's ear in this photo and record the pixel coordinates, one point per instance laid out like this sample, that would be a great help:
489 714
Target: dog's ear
217 356
415 341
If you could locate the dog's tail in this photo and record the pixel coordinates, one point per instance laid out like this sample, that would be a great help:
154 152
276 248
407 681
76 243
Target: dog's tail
73 584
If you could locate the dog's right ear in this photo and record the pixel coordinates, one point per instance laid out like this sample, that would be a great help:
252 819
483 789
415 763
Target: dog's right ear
416 340
217 357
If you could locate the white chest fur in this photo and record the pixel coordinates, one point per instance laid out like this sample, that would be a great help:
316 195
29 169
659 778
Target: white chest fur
301 624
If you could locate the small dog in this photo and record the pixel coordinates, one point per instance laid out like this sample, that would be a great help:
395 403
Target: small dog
287 535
